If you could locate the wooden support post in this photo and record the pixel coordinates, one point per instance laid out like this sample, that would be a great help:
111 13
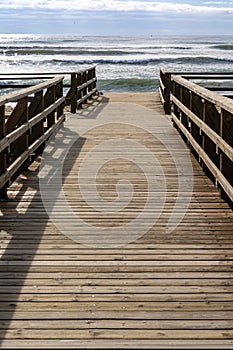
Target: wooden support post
3 156
88 77
22 143
36 106
189 121
196 106
85 90
167 93
218 151
213 121
48 101
17 118
202 133
74 84
17 115
79 94
226 163
93 85
179 88
59 94
175 109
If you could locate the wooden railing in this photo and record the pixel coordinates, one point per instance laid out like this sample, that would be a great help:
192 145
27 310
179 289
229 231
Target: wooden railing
83 87
165 85
80 85
27 118
205 121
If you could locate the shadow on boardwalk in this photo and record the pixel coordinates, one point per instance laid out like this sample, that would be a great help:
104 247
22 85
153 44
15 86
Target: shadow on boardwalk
23 227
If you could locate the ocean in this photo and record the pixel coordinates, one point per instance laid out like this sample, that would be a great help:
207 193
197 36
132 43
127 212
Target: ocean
123 63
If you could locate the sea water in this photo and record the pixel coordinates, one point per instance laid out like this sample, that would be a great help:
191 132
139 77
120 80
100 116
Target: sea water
123 63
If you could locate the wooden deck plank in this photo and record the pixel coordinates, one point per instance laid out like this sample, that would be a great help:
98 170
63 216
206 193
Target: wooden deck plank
52 295
119 343
119 324
136 334
160 291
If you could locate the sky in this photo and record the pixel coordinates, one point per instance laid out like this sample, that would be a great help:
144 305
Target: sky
116 17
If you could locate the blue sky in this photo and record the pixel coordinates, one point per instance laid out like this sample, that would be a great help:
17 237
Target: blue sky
102 17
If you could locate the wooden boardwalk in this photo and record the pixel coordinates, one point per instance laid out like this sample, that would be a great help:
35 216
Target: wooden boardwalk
158 291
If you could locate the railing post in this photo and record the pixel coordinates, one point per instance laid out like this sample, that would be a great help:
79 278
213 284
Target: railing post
167 93
3 156
226 133
23 141
59 94
49 100
73 104
93 85
219 152
85 89
36 106
79 94
18 116
165 88
202 133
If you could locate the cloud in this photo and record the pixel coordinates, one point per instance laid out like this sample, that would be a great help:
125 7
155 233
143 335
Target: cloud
210 7
226 3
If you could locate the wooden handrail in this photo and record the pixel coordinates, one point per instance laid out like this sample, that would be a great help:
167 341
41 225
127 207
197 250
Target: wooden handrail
205 119
15 134
218 100
219 178
165 83
220 143
36 112
12 96
24 129
82 82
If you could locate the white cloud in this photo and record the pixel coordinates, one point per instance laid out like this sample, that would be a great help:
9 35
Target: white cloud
210 7
226 3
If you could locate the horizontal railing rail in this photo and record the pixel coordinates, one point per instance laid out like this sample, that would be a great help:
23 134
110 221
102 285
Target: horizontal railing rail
80 86
27 119
205 120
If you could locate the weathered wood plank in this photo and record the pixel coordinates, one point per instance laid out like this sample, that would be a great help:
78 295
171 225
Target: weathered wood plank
117 334
126 344
119 324
52 295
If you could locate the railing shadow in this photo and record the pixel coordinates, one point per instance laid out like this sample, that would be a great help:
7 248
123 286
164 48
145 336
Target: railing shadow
93 107
26 236
24 220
